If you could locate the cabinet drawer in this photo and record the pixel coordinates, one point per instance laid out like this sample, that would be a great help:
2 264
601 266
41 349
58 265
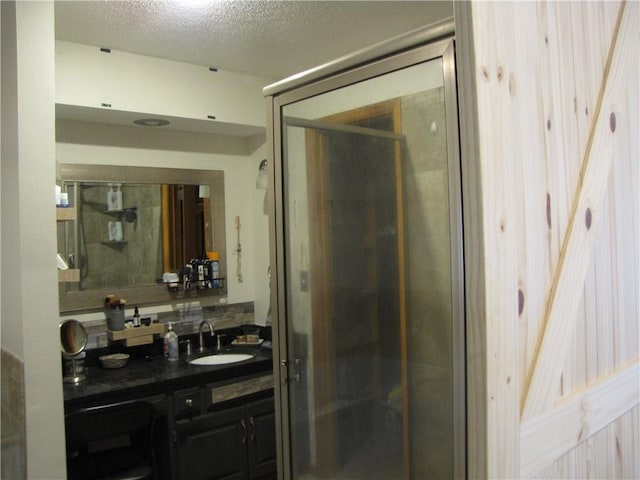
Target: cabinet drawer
216 393
187 402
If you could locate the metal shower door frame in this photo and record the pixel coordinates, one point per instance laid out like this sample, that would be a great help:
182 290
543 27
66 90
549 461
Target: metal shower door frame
435 41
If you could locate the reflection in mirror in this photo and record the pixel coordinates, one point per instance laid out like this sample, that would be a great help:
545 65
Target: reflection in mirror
119 246
73 340
134 224
73 337
154 229
185 226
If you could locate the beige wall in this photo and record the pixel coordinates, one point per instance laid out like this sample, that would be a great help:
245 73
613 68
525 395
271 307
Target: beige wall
256 231
87 77
549 112
29 284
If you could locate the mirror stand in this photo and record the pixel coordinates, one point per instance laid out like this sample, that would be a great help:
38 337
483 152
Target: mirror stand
74 374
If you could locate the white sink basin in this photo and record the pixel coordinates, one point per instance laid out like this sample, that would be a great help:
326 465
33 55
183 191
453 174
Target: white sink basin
221 359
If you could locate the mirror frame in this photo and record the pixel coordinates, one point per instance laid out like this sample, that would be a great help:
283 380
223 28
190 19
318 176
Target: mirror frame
92 300
77 329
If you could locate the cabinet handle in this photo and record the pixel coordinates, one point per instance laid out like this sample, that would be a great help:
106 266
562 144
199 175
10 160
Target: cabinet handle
243 428
252 429
188 402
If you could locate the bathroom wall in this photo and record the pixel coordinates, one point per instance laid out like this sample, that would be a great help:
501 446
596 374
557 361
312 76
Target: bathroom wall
238 157
259 226
30 338
12 421
87 77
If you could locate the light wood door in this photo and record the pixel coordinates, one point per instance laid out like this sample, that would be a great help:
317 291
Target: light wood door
552 128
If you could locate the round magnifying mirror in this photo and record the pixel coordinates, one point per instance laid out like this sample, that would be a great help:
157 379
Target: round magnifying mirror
73 337
73 340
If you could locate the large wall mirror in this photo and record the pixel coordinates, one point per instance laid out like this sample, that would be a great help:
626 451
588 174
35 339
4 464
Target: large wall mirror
133 225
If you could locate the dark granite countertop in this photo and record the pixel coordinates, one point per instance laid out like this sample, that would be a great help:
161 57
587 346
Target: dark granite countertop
152 374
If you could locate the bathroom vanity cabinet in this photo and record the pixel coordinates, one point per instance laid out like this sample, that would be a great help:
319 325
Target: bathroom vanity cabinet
234 442
210 422
225 430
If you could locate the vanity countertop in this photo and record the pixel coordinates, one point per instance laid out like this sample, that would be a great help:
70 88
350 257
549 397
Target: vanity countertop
154 374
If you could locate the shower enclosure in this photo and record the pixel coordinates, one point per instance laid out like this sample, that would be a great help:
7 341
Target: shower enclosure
368 254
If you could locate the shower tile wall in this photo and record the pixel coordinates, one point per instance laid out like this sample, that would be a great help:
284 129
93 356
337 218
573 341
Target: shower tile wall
428 303
13 418
137 260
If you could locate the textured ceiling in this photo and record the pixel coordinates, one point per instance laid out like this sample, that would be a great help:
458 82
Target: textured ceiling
272 39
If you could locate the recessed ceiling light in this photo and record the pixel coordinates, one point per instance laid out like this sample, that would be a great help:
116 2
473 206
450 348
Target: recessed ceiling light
151 122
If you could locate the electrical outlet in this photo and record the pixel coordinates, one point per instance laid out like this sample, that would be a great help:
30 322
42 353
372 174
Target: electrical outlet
97 340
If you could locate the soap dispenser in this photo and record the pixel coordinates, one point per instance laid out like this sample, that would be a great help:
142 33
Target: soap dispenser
170 344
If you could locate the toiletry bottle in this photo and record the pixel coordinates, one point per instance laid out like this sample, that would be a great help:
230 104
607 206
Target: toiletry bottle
136 317
165 341
215 269
171 344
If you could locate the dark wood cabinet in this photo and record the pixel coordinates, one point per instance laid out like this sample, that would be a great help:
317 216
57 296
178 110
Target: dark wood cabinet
261 443
212 445
221 429
231 443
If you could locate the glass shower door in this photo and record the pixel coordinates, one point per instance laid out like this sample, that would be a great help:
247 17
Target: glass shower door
372 319
354 361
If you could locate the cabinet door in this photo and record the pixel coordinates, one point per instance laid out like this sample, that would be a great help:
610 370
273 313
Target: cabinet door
261 445
212 446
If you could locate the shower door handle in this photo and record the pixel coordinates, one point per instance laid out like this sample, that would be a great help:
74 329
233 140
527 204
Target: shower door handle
297 372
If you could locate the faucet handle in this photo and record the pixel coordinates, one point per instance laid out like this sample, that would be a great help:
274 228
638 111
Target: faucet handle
219 337
188 343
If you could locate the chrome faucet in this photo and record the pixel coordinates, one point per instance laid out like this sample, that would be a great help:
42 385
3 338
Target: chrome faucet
200 332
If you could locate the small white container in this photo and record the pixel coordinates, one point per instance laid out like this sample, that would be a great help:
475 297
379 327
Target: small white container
114 199
64 199
115 231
